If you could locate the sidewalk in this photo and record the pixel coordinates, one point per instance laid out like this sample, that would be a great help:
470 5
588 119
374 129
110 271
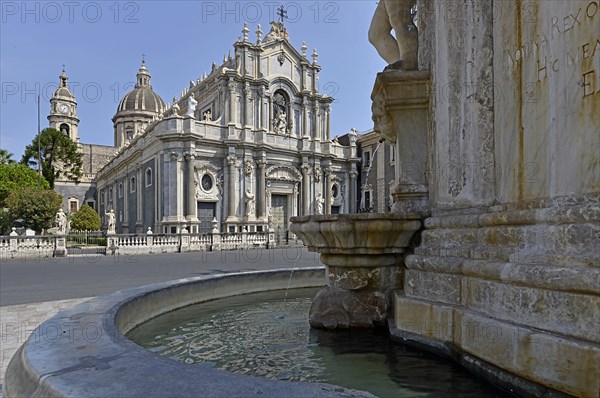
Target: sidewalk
18 321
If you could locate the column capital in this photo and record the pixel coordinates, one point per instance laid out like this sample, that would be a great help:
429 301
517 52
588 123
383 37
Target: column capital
261 164
305 168
232 160
174 156
353 173
189 156
327 171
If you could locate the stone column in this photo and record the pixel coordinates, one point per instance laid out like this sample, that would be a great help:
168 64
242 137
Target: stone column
125 222
305 189
191 193
232 176
261 197
247 93
305 122
316 133
232 101
327 171
353 189
261 96
328 123
268 112
139 223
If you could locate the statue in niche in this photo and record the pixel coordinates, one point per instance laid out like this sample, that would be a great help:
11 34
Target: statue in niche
249 196
280 122
191 106
111 222
61 222
401 51
207 116
319 202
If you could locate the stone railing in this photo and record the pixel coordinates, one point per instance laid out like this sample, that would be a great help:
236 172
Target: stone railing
15 246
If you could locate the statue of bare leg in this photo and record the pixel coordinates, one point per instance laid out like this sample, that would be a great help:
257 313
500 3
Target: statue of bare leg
401 51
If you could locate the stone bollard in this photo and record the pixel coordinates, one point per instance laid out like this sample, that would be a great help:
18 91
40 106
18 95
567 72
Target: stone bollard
14 242
149 237
216 236
185 241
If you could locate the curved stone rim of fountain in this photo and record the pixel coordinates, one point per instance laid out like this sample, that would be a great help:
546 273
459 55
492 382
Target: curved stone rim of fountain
83 351
355 234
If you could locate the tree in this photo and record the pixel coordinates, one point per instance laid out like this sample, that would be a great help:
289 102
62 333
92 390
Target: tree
86 219
5 157
59 156
16 176
37 208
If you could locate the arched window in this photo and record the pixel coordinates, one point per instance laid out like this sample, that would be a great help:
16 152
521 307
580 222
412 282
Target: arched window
120 190
64 128
132 184
148 177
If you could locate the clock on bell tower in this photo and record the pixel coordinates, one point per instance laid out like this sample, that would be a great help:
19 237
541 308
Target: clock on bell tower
63 110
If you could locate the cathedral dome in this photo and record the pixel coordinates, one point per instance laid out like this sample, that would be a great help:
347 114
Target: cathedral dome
142 98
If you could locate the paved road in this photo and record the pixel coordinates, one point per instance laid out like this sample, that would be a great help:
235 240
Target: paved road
37 280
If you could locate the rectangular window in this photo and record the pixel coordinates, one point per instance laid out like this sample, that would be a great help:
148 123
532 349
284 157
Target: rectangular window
392 153
366 159
367 199
72 206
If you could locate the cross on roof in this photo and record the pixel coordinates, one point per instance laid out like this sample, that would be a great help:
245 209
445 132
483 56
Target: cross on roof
282 13
144 58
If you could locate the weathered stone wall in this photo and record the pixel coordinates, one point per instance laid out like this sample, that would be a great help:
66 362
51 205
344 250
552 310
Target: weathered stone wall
507 276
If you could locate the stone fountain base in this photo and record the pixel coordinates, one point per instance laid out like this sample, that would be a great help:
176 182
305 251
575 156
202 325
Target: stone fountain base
364 255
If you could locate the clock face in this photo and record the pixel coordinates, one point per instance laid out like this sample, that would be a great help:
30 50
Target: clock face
207 182
63 108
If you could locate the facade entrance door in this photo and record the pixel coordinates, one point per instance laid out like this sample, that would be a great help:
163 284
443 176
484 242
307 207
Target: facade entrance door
279 206
206 213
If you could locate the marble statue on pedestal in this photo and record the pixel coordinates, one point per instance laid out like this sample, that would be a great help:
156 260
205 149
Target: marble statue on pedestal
111 222
191 106
61 222
401 51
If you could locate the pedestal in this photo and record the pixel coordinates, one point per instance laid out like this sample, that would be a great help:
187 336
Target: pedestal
401 115
60 247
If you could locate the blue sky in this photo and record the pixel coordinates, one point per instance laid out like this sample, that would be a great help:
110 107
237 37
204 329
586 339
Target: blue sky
101 44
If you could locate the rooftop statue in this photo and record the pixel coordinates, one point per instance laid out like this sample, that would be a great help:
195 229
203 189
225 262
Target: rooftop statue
399 52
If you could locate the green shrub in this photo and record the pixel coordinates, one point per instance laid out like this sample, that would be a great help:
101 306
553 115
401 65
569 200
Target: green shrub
86 219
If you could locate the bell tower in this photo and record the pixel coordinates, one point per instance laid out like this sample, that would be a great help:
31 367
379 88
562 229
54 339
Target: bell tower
63 110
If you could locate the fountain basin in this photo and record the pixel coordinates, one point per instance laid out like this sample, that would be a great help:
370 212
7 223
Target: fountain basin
83 351
354 234
364 256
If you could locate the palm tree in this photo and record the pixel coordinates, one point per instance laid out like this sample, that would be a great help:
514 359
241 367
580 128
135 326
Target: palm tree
5 157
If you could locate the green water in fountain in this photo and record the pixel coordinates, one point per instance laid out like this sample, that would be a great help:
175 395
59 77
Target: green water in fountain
261 335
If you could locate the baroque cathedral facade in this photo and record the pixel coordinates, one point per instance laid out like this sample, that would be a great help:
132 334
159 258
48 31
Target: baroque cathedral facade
244 148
